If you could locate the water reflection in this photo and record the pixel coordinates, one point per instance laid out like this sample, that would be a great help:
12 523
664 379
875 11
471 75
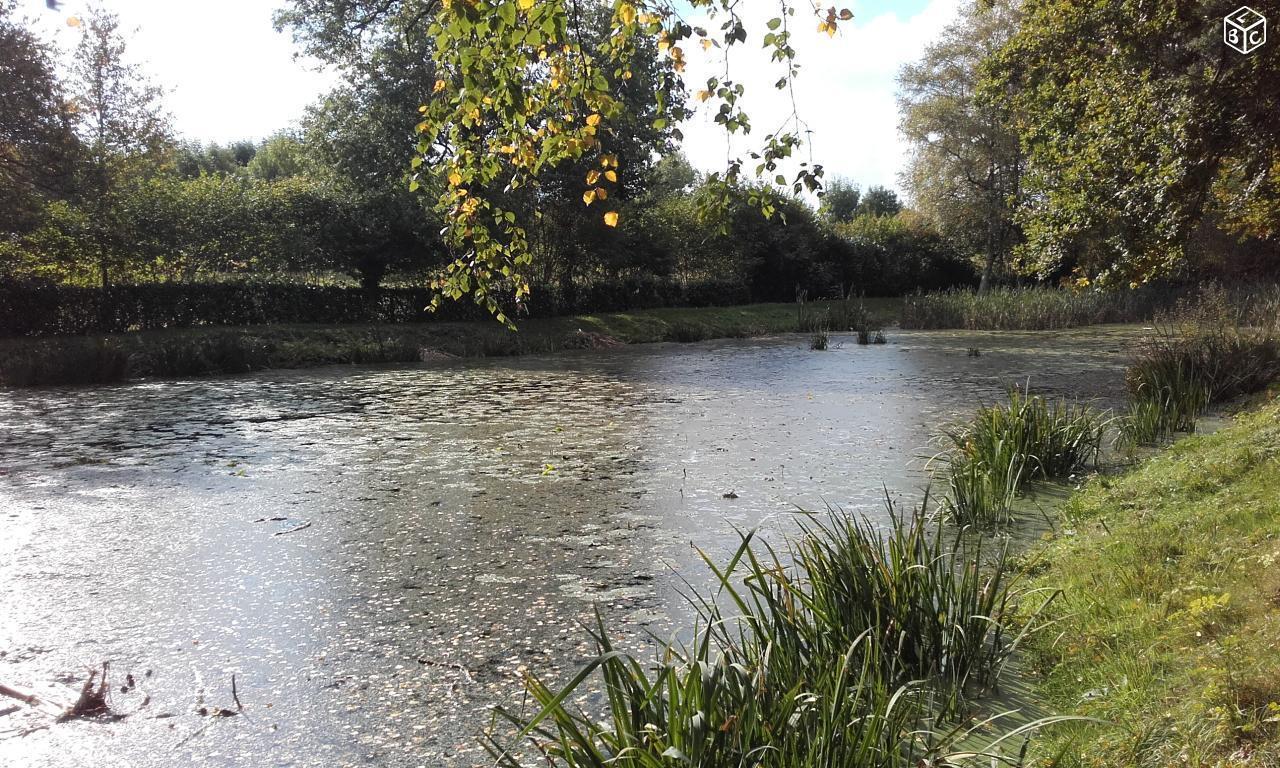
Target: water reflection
461 520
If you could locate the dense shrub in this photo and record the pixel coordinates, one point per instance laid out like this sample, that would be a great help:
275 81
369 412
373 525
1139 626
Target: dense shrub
894 255
46 310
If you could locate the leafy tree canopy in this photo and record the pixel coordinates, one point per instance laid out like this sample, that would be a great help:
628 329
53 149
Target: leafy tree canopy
525 86
36 140
840 200
966 163
879 201
1137 119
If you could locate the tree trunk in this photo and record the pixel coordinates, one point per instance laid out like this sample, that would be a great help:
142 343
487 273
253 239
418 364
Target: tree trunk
985 284
371 274
568 290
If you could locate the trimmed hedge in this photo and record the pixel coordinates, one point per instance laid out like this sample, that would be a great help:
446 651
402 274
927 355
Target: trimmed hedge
56 310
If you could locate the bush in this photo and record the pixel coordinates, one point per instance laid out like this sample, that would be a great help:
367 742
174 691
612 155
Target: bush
894 255
48 310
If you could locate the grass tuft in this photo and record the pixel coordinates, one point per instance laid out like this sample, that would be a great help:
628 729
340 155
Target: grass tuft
990 459
849 647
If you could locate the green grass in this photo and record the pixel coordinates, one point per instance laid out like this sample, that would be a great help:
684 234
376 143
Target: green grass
850 647
989 459
210 350
1168 626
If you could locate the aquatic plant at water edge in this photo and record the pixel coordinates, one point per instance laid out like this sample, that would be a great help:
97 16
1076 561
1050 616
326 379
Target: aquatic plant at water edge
991 458
819 341
848 647
77 360
847 313
1209 349
1009 309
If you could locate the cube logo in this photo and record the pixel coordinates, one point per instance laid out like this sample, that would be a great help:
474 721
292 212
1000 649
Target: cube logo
1244 29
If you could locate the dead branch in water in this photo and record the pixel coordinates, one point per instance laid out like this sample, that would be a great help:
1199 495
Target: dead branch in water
93 699
14 693
294 529
33 700
213 715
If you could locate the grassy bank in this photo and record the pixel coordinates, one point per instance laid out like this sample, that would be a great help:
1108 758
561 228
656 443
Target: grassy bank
1169 622
219 350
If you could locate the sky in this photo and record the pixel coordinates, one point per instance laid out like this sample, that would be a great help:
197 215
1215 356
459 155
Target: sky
229 75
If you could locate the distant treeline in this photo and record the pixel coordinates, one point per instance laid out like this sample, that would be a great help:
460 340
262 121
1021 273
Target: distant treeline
111 223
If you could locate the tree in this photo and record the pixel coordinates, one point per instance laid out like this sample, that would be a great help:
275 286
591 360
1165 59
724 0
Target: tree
966 163
1138 121
895 255
37 144
279 157
569 245
192 158
121 126
672 174
840 200
879 201
523 88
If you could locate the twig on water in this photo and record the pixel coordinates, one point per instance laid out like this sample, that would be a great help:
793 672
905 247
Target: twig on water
294 529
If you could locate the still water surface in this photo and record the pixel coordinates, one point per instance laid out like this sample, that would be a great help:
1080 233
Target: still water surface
377 553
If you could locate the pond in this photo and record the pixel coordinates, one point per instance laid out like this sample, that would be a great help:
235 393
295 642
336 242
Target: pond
377 554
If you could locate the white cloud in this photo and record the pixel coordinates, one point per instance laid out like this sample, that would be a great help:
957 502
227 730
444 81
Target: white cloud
230 75
226 71
845 92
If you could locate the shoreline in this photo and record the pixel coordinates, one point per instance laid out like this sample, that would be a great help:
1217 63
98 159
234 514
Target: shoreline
219 350
1162 569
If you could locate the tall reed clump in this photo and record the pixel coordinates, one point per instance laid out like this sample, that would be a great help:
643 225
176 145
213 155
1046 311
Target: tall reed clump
1210 348
1029 309
820 340
990 459
800 657
847 313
